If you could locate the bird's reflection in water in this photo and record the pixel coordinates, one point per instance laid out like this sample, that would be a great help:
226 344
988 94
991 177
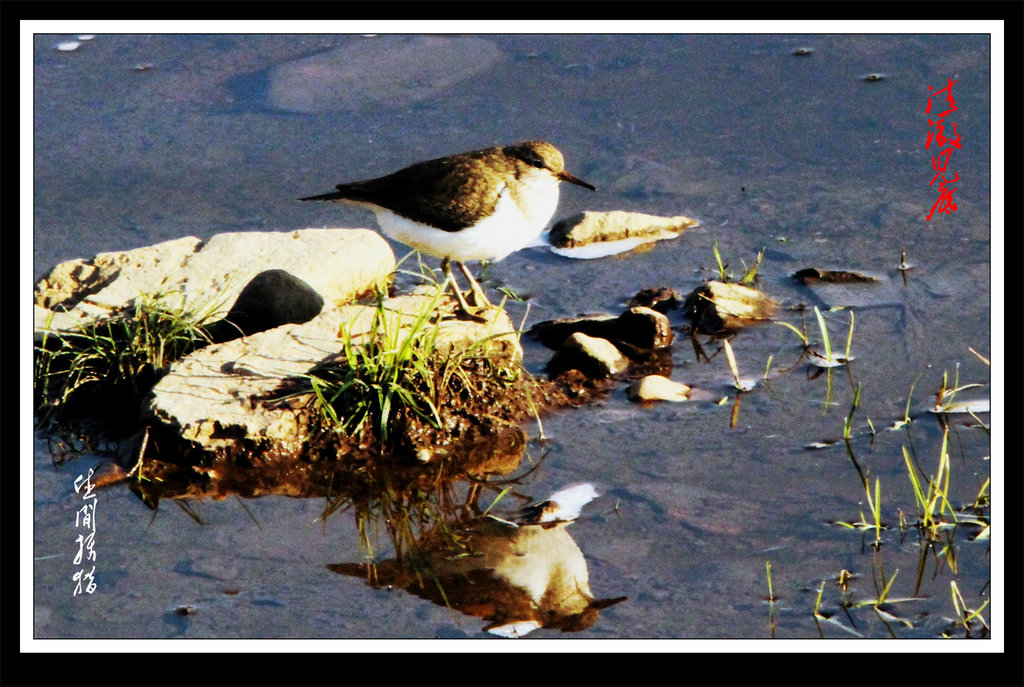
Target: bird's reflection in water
520 571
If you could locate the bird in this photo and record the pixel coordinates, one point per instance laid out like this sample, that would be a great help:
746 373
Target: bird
478 205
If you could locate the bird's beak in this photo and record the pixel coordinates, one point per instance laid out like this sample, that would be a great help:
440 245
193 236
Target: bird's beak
565 176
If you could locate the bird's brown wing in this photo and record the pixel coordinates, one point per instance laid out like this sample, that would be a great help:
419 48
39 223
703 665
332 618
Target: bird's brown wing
445 193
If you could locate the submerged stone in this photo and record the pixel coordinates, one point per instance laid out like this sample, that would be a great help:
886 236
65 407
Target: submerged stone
389 71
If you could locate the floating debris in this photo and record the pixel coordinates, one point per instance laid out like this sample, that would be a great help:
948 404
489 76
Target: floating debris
874 77
562 506
977 406
944 402
819 360
745 383
67 46
802 52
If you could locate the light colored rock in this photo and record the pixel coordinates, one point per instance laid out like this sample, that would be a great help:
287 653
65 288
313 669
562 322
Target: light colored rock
598 234
393 71
339 264
657 388
222 395
718 305
590 355
336 264
91 290
250 391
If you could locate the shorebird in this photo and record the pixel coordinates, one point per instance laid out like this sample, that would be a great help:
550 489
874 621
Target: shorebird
479 205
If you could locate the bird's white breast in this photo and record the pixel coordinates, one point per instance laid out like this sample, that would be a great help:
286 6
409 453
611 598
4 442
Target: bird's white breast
518 219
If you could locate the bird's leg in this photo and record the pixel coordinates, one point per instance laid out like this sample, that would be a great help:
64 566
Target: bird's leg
472 312
479 297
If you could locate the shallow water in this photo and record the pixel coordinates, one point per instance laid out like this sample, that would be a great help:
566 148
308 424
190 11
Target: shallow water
141 139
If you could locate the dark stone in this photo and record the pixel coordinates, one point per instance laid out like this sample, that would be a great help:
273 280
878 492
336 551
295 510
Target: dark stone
272 298
638 330
661 299
812 275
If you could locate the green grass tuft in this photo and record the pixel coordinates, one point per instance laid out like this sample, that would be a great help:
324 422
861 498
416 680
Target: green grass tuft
77 374
389 370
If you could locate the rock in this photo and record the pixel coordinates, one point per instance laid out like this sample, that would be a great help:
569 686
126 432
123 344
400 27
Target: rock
661 299
268 277
717 306
390 71
593 356
337 264
272 298
78 292
643 329
225 394
247 393
553 333
657 388
637 329
598 234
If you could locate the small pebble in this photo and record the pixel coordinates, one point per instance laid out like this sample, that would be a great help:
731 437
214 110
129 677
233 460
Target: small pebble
657 388
68 46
